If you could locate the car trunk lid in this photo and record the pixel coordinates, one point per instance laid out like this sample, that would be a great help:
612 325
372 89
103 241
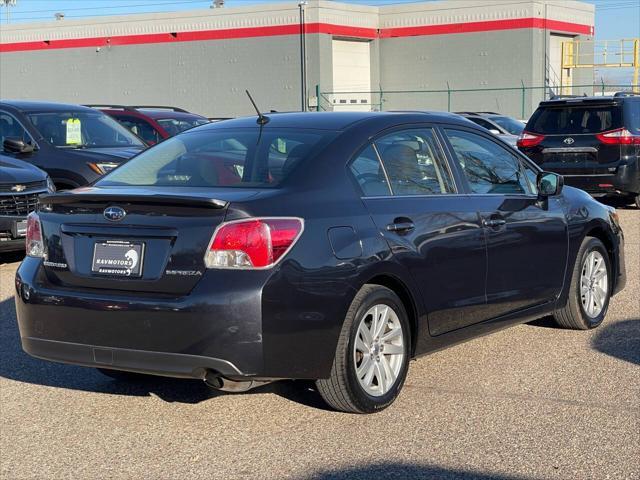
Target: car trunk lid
156 246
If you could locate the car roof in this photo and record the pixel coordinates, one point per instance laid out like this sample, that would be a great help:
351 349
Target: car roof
561 101
38 106
157 114
336 120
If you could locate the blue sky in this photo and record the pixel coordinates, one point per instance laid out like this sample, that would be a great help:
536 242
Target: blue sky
614 18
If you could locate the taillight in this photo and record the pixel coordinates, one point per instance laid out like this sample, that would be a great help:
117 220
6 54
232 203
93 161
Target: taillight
253 243
619 136
528 139
34 242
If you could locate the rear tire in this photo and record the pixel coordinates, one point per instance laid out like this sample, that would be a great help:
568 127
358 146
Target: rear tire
590 289
372 356
122 375
637 201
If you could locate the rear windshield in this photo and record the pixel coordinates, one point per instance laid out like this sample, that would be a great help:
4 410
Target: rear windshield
220 158
174 126
511 125
575 119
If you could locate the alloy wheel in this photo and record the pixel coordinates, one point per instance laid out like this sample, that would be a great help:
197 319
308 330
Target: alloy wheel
379 350
594 284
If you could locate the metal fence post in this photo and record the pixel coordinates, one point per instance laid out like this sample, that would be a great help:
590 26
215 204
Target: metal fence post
523 92
602 81
448 97
317 97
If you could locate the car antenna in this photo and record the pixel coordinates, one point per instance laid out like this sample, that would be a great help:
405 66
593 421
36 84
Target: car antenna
262 119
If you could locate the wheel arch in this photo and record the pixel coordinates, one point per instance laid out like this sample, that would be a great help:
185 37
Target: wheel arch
400 288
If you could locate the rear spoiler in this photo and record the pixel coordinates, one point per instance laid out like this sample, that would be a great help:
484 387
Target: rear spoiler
169 200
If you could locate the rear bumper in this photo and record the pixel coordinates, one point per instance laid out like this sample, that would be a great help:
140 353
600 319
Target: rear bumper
156 363
210 329
626 181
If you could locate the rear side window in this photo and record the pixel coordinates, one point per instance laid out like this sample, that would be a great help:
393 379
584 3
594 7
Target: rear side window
414 163
368 172
575 119
632 119
221 157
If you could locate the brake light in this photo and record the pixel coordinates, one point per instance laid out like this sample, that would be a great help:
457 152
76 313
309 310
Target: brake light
34 243
619 136
253 243
528 139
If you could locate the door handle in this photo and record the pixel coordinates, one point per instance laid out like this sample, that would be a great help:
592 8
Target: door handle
493 222
401 227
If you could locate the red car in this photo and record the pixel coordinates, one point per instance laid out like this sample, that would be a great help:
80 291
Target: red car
153 123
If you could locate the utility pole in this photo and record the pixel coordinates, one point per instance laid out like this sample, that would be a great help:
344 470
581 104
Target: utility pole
303 58
6 4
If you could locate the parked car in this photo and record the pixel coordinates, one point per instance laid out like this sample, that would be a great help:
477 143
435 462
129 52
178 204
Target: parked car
75 145
382 237
153 124
594 142
506 128
20 186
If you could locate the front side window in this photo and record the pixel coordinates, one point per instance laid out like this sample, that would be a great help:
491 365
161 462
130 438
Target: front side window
415 163
488 167
82 130
244 157
11 128
141 128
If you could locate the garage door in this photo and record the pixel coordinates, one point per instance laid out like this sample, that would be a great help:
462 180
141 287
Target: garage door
351 74
555 64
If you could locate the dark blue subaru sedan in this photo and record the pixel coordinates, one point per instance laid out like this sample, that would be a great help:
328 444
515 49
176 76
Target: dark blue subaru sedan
324 246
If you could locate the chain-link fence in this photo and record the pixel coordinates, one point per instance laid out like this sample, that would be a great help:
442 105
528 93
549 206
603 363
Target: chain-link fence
519 101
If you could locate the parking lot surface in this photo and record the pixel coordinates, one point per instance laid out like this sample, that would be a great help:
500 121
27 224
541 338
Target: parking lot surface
530 402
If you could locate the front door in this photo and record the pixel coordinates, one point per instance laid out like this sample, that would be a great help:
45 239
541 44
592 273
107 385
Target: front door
526 237
432 230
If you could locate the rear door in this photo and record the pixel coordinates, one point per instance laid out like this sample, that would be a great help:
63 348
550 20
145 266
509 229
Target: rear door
526 237
570 145
432 229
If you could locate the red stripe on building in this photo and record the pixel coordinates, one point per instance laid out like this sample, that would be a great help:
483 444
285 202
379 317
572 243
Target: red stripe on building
488 26
312 28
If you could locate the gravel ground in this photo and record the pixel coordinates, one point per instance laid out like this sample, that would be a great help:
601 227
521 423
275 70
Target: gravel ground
530 402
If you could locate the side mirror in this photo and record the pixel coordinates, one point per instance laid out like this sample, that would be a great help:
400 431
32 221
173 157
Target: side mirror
16 145
494 131
549 184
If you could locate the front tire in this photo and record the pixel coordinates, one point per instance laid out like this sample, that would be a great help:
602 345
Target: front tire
590 289
372 356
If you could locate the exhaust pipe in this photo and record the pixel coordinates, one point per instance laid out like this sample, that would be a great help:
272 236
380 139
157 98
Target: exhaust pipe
218 382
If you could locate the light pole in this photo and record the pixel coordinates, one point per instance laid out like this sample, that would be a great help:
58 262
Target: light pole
303 58
7 4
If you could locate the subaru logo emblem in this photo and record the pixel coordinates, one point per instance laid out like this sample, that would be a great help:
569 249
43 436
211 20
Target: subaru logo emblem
18 188
114 214
569 141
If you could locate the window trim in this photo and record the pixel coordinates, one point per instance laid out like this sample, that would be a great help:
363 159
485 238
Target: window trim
515 153
445 159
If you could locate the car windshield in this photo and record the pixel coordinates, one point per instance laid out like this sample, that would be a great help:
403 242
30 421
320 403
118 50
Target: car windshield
82 130
174 126
246 157
511 125
575 119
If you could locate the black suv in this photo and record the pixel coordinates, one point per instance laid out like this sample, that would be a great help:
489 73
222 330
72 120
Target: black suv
20 186
594 142
75 145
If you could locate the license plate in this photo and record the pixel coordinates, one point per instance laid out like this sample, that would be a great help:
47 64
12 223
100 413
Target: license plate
118 258
19 229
